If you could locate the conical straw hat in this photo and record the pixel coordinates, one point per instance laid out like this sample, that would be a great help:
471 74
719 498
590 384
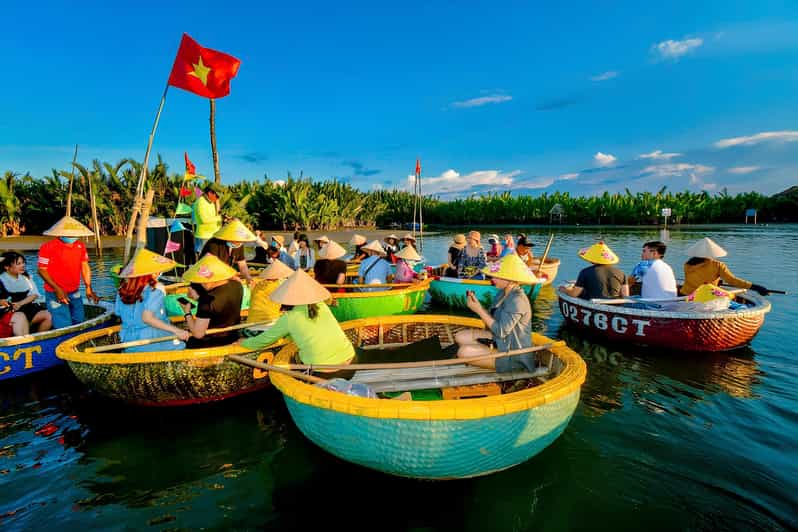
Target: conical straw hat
357 240
408 253
706 248
387 238
599 253
511 268
322 238
208 269
332 251
300 289
276 270
145 262
708 292
68 226
408 236
375 246
235 231
279 239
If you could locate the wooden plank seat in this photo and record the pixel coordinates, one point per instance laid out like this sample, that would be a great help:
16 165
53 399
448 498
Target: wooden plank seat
404 380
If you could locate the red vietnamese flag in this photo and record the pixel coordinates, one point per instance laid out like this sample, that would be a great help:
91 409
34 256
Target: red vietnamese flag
418 166
203 71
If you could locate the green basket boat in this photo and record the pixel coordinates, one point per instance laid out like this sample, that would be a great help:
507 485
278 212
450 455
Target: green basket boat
444 439
451 292
352 305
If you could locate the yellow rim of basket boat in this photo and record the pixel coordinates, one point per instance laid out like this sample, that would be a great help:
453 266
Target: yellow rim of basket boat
564 384
420 287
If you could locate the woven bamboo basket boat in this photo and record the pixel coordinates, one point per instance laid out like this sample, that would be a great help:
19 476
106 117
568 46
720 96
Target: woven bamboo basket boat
24 355
451 292
445 439
354 305
549 269
683 331
161 378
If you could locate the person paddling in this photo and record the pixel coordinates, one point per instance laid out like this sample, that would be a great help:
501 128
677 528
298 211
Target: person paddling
703 267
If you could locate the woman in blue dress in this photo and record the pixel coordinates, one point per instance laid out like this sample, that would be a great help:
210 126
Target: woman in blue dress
140 304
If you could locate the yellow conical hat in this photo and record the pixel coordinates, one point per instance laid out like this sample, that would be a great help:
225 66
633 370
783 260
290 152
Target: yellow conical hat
599 253
276 270
145 262
708 292
706 248
68 226
375 246
208 269
357 240
331 251
235 231
511 268
408 253
300 289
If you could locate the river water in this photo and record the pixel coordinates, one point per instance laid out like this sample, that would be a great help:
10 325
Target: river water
661 442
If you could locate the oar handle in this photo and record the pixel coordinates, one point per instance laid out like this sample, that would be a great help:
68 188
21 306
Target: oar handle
277 369
545 254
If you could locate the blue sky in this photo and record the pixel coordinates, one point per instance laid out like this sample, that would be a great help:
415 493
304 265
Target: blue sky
583 97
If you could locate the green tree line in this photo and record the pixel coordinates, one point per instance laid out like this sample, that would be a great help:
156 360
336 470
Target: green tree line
32 204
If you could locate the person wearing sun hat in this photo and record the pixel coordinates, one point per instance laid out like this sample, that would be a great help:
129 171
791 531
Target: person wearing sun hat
453 255
391 247
228 245
473 258
508 322
62 263
140 303
261 307
357 241
495 251
374 269
409 241
205 215
320 242
308 321
404 272
602 279
218 303
703 267
330 268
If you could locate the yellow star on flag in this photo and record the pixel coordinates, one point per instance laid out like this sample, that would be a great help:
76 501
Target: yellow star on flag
200 71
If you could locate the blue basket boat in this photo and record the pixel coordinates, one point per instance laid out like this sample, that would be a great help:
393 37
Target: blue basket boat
437 439
451 292
24 355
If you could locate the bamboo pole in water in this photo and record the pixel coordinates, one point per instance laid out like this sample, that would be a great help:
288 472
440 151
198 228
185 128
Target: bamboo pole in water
545 254
71 179
98 244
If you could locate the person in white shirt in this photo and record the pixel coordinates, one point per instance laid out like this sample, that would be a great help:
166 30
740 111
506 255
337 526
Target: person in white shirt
654 274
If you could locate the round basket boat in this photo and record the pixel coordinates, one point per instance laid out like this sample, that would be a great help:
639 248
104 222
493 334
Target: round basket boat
441 439
451 292
353 305
683 331
549 269
161 378
24 355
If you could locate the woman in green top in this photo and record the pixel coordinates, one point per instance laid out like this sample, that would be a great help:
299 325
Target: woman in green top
308 321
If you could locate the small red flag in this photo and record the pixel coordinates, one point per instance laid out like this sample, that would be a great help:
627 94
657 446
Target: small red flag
190 168
418 166
184 192
203 71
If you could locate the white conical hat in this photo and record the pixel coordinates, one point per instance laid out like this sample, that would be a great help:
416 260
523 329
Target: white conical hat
276 270
408 253
375 246
68 226
331 251
357 240
706 248
300 289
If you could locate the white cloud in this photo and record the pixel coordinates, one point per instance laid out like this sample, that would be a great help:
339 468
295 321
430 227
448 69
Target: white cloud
698 182
604 159
540 182
743 169
604 76
671 49
671 169
658 155
568 177
483 100
451 181
781 136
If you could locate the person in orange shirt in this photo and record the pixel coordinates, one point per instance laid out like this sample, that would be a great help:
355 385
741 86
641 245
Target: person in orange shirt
704 268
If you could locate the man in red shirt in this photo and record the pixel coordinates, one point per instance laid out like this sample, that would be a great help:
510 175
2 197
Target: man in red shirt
62 262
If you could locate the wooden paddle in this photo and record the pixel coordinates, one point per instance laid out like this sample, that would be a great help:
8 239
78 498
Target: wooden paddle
136 343
277 369
545 254
621 301
384 285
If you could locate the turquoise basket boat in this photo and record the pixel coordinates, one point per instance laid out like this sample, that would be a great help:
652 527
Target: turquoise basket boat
451 292
443 439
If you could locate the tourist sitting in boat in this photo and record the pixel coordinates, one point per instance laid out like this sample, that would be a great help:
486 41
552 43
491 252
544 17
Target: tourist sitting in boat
320 242
404 271
703 267
16 285
472 259
218 303
358 241
601 280
374 269
453 255
62 263
228 245
654 274
276 251
509 245
261 307
391 247
494 249
294 245
523 248
140 304
330 268
508 322
308 321
304 258
409 241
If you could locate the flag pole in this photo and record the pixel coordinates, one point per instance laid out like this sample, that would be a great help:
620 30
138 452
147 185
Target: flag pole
420 215
71 179
142 179
217 176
